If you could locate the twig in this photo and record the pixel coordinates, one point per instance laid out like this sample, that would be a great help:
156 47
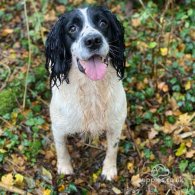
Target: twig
92 146
130 133
5 121
13 189
39 98
187 134
158 24
29 54
168 192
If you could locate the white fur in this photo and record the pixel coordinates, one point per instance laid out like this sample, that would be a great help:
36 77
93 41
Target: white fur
77 48
88 106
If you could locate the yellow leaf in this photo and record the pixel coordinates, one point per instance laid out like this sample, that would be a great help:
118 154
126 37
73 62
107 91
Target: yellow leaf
19 179
130 167
164 51
2 151
8 179
61 188
181 150
185 119
94 176
136 180
187 85
47 192
193 181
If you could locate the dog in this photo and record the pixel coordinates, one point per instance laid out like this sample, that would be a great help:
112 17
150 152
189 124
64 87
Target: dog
85 57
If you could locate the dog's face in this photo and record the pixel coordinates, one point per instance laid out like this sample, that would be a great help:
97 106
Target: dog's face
90 37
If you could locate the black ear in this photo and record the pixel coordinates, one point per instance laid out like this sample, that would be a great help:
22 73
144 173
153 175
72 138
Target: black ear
117 45
58 60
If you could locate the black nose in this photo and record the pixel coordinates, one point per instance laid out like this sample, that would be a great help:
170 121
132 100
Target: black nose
93 41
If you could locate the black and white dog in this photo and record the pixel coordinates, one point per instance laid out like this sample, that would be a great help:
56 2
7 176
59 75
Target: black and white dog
85 57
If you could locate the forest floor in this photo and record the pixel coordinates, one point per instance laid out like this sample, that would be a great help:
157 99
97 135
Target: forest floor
157 148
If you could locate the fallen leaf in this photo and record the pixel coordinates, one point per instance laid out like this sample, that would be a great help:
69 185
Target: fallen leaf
6 32
163 51
188 85
190 154
136 180
8 179
46 175
61 188
50 16
181 150
135 22
116 190
130 167
47 192
152 134
19 179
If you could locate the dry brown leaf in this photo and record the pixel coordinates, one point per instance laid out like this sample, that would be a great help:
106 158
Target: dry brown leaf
136 180
116 190
163 87
168 128
152 134
6 32
61 8
190 154
50 16
135 22
49 154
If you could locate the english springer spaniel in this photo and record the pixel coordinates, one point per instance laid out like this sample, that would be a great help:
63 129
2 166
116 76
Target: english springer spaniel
85 57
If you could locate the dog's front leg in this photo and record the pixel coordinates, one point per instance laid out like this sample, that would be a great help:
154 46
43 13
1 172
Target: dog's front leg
110 167
63 158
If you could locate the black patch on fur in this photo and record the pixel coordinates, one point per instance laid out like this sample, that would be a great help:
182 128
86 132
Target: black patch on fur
58 44
114 34
59 41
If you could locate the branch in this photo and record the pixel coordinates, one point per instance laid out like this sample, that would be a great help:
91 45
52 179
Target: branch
29 54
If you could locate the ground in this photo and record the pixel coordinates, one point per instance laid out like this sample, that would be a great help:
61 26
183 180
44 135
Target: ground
157 147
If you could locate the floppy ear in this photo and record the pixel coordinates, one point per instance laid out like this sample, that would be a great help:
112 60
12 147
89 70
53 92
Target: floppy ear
117 45
57 59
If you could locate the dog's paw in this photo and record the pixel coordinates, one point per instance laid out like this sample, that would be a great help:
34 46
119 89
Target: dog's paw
109 172
65 169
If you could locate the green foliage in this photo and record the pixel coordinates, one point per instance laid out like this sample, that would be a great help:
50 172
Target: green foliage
71 188
8 101
183 165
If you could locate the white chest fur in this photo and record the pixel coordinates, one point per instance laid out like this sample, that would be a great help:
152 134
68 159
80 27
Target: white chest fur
88 106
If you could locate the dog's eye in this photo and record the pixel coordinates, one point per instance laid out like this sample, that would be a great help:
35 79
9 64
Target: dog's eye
103 24
72 29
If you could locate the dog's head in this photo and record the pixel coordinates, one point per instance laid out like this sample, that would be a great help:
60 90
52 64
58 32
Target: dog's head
90 37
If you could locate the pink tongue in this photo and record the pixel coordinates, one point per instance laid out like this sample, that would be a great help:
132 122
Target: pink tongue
95 69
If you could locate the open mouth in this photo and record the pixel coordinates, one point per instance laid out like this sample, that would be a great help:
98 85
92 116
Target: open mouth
94 67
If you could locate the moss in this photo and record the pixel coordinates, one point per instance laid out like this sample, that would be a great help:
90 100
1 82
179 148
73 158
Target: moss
7 101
